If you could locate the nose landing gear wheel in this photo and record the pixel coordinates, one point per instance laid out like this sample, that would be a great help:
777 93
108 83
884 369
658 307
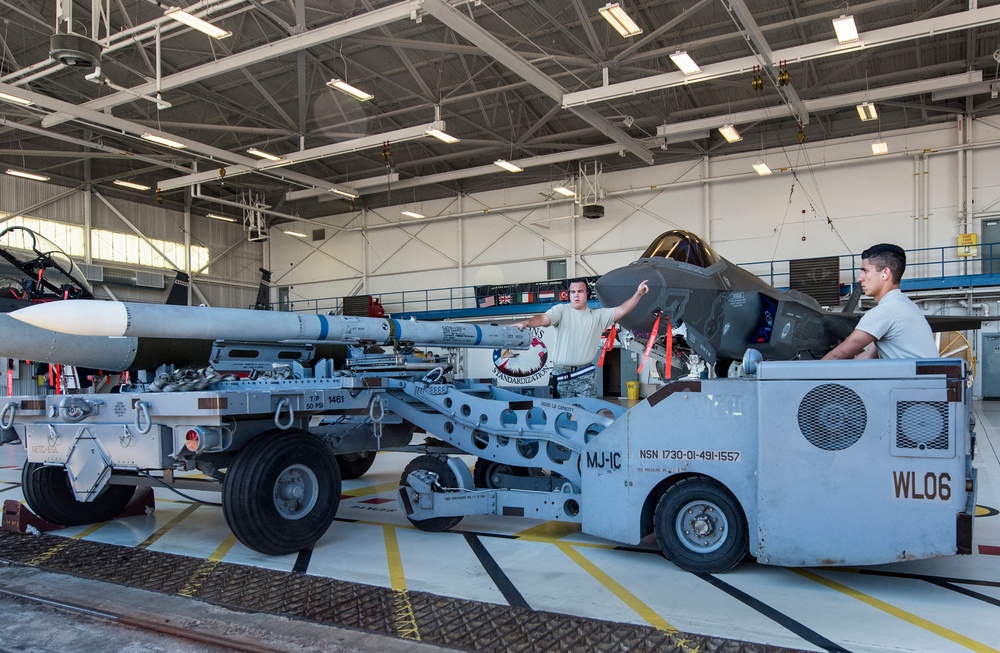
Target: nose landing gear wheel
700 527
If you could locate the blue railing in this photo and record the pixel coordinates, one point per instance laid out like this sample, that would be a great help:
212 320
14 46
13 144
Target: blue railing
930 267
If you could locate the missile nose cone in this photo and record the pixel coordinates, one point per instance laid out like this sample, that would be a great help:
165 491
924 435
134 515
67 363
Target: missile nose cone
617 286
82 317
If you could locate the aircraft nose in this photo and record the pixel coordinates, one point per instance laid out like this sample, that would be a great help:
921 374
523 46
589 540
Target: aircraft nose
615 287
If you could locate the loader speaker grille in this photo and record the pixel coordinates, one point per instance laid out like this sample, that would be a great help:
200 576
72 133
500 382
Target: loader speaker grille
922 425
832 417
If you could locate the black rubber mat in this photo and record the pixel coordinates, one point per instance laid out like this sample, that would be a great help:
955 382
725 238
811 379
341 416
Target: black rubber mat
457 623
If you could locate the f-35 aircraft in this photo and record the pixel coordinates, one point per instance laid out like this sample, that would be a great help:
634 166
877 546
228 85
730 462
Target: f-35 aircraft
721 310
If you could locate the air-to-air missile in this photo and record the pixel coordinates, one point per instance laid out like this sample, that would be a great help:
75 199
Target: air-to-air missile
93 318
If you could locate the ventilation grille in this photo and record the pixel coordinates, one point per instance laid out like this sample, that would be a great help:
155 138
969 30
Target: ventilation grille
922 425
817 277
91 272
832 417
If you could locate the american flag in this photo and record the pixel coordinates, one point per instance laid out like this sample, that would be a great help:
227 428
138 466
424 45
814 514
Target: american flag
486 302
505 299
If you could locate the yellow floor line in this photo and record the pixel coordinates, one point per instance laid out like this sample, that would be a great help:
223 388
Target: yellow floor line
406 620
550 531
616 588
194 583
370 490
899 613
160 532
89 531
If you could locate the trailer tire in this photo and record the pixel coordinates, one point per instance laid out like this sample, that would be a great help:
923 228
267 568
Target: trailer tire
437 463
281 492
48 493
354 465
482 473
700 526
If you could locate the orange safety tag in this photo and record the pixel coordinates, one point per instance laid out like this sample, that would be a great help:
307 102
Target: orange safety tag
609 343
649 343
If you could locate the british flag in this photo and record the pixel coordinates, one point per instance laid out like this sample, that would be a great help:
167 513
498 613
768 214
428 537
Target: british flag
505 299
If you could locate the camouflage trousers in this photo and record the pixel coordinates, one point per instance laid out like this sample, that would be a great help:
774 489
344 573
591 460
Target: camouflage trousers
584 385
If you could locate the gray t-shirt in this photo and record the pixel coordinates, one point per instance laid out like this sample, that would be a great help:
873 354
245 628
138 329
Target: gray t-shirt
577 333
900 328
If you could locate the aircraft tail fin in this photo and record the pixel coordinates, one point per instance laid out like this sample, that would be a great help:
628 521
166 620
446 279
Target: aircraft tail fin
178 295
263 294
854 301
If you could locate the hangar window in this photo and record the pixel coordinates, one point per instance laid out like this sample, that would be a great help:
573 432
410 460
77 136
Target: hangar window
67 237
684 247
154 253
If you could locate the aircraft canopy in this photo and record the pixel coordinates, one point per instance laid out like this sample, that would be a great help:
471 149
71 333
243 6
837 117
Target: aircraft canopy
684 247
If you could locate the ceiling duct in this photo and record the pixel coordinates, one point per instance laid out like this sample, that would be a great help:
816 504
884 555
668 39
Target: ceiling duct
74 50
593 211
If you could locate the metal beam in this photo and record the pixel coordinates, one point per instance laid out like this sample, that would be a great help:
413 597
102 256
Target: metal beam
796 54
470 30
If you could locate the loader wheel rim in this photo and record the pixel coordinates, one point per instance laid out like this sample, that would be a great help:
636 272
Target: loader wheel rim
296 491
701 526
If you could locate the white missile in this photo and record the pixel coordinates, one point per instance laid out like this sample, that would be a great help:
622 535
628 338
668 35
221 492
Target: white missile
86 317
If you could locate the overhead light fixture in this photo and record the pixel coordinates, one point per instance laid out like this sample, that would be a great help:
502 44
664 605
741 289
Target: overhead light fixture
26 175
507 165
413 214
614 14
16 100
265 155
202 26
162 140
354 92
879 146
130 184
441 136
216 216
846 30
761 168
296 234
730 133
567 192
684 61
867 111
343 193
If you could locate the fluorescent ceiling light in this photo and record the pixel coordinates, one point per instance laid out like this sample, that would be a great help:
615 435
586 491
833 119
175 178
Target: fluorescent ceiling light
879 146
216 216
130 184
16 100
441 136
684 61
202 26
265 155
413 214
562 190
730 133
26 175
354 92
507 165
846 30
344 193
296 234
761 168
615 15
161 140
867 111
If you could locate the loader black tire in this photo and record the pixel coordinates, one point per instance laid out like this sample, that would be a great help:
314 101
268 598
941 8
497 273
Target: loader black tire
48 493
281 492
437 463
354 465
700 526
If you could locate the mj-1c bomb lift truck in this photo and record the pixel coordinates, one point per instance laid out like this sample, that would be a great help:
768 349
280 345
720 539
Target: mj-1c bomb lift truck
797 463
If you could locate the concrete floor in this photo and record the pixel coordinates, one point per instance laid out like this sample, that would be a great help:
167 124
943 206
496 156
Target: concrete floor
941 605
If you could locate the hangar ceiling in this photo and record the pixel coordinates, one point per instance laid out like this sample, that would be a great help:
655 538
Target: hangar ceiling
542 83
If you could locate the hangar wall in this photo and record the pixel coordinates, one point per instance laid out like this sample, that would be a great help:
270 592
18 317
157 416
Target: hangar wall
913 196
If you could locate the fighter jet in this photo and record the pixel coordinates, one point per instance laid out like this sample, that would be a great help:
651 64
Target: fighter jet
720 310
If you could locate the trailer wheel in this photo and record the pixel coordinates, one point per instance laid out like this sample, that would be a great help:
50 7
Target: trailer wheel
437 463
354 465
700 526
48 493
485 470
281 492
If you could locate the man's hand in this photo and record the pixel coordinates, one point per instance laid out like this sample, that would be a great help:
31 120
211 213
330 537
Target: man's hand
643 288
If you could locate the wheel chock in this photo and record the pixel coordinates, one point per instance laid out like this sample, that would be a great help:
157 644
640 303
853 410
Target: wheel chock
142 503
17 518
